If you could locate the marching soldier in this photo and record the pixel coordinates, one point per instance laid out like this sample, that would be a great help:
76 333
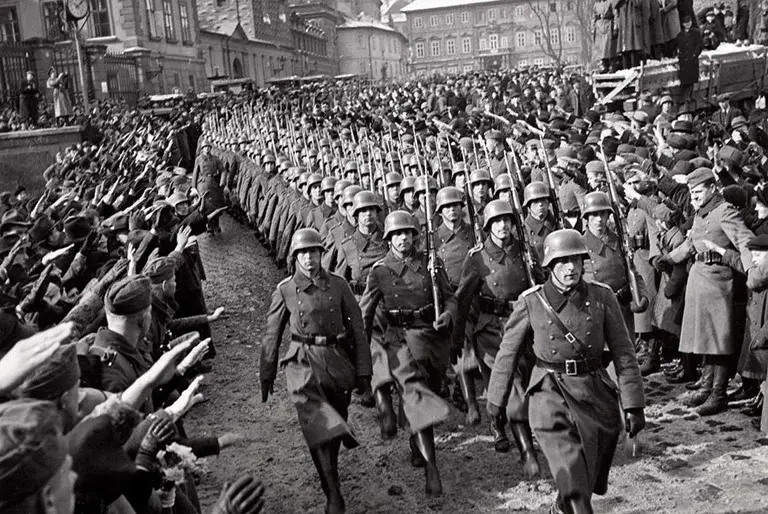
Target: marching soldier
492 278
338 215
407 195
573 403
328 356
338 234
416 343
318 216
420 189
540 221
480 184
206 178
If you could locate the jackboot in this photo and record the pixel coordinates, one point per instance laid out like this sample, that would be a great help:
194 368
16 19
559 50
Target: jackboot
499 434
521 431
699 396
417 459
426 443
366 399
748 389
579 505
754 407
387 417
467 384
718 400
652 361
326 464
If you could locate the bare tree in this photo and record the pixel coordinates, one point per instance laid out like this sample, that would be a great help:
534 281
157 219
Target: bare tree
585 15
552 18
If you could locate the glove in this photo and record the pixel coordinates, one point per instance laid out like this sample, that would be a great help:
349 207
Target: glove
637 308
362 383
443 322
245 496
634 419
161 433
267 388
493 410
623 295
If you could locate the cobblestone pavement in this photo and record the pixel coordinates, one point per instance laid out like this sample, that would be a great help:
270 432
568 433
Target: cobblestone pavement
686 463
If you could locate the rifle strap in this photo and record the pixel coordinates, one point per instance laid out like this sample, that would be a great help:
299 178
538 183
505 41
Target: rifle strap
572 339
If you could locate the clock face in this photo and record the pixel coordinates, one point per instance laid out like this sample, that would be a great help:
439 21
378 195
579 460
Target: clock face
78 9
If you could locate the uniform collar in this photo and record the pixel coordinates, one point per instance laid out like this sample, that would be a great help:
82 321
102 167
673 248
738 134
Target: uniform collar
539 226
445 233
557 299
597 245
710 206
413 262
361 240
303 282
495 252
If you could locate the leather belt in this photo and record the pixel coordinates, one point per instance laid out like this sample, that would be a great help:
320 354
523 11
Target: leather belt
319 340
571 367
408 317
709 259
494 306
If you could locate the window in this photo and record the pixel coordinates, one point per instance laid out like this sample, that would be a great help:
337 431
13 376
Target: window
467 68
552 7
483 44
192 81
98 21
450 47
504 42
493 42
170 30
465 17
151 18
417 22
433 21
481 16
186 34
453 70
570 34
434 48
519 11
521 39
466 45
176 80
522 62
554 36
9 25
449 19
538 61
493 14
52 18
537 37
420 50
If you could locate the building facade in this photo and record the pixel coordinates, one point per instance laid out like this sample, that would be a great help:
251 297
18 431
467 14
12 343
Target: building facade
453 36
373 49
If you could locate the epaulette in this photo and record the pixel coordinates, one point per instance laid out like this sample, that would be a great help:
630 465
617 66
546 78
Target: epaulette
530 290
378 263
284 281
105 355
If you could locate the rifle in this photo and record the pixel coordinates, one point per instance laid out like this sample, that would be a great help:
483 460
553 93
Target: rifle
622 232
430 243
554 200
474 151
522 234
474 223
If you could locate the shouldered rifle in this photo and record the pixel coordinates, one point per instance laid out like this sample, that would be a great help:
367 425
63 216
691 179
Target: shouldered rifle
430 243
522 234
474 223
622 232
554 200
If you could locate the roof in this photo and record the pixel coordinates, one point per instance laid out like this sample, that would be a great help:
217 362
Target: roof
426 5
366 24
394 7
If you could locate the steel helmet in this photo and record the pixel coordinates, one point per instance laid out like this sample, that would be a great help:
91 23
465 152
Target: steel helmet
303 176
535 191
268 158
340 186
449 195
480 175
348 196
393 178
421 184
305 238
324 142
502 182
314 179
328 184
596 201
407 183
496 209
399 220
312 152
459 168
365 169
363 200
563 243
350 166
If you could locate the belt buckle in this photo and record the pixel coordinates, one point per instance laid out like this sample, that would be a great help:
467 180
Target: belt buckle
321 341
571 368
570 338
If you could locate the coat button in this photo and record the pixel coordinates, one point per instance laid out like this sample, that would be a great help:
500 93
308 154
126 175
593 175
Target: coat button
589 318
586 303
299 302
551 338
554 352
589 333
549 322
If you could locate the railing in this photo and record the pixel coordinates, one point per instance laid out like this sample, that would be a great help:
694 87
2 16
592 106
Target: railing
122 77
15 60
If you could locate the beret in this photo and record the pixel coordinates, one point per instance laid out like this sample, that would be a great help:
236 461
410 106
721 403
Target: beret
759 243
53 378
700 176
595 167
160 269
129 296
32 448
735 196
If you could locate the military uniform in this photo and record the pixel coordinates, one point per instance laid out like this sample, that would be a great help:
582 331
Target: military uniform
538 230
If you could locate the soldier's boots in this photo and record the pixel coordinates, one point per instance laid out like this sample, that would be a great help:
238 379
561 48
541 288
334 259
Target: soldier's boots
576 505
699 396
425 441
499 434
747 391
469 393
718 400
652 361
326 459
367 400
754 407
417 459
521 431
387 417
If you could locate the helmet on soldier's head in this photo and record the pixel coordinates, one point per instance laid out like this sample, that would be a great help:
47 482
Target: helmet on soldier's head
348 196
502 183
350 166
393 178
407 183
399 220
365 170
305 238
328 184
596 201
340 186
312 152
421 184
480 175
314 179
303 176
364 200
449 195
459 168
563 243
535 191
496 209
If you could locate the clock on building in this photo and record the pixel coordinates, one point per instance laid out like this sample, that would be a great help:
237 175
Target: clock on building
77 9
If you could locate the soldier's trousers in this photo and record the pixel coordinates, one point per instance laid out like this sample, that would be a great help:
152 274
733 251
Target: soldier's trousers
404 362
